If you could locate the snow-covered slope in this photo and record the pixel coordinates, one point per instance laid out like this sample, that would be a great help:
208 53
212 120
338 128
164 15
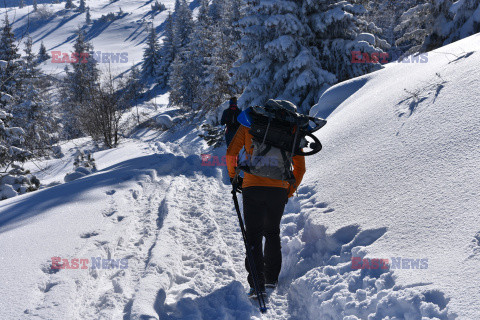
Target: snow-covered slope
56 27
398 177
402 155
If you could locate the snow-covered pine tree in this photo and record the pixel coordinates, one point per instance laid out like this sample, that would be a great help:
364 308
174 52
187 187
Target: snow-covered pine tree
43 54
167 53
88 18
425 26
178 29
151 56
14 180
185 80
79 85
277 58
386 14
250 45
337 34
68 4
35 5
134 87
185 71
182 24
82 6
11 140
189 67
466 20
10 79
31 70
33 111
85 74
35 115
158 7
217 9
21 4
216 87
295 49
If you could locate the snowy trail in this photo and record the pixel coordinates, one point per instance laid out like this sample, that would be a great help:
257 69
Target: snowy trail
194 261
175 222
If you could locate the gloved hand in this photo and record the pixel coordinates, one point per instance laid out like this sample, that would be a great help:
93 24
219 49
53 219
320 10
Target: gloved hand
239 184
291 190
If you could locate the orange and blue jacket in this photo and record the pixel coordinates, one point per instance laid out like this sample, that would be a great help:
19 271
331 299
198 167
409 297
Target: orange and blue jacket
243 138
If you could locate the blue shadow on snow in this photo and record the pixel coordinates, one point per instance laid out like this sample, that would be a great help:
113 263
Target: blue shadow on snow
18 210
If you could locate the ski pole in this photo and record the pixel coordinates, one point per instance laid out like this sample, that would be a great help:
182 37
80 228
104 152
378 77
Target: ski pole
250 260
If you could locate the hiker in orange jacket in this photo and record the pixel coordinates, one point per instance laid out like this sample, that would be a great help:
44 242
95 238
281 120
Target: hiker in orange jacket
264 201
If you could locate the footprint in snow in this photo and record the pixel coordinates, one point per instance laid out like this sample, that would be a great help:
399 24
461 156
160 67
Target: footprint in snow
475 245
109 213
47 287
89 234
320 273
47 268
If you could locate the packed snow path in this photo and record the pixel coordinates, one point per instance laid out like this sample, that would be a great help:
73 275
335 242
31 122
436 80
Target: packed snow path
174 221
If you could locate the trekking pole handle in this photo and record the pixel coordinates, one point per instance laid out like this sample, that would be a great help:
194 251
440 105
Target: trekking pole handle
235 179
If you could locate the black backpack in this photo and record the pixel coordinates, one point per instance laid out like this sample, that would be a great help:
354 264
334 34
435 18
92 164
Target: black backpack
279 133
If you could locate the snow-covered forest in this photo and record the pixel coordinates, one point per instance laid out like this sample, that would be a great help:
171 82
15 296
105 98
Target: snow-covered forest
108 107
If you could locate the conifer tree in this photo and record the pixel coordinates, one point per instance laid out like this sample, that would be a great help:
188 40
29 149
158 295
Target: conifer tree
134 87
21 4
11 139
466 20
35 5
80 85
190 64
10 80
14 179
338 35
68 4
185 69
167 53
425 26
182 25
81 6
88 18
33 112
158 6
43 54
219 42
151 56
386 15
31 69
295 49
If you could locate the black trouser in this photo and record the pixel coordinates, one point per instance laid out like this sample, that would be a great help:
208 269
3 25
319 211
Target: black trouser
263 209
